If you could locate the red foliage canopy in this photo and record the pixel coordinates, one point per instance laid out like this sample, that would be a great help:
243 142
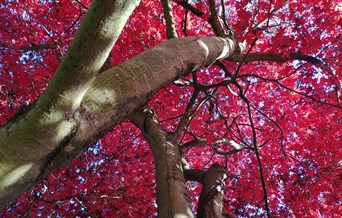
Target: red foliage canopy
290 108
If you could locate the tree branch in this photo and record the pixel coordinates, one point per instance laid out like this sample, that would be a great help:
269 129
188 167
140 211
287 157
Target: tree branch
187 114
29 144
211 199
255 145
272 57
80 3
213 20
95 37
170 23
202 141
294 91
191 8
34 47
172 195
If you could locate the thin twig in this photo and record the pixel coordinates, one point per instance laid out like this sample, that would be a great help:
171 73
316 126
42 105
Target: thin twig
255 145
185 18
292 90
187 114
191 8
213 20
80 3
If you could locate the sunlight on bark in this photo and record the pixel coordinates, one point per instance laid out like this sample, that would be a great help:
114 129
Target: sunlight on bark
15 175
63 129
184 215
102 96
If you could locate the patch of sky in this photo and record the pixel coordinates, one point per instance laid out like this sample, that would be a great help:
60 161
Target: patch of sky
298 83
45 1
53 214
321 197
258 211
224 98
249 6
319 75
261 104
81 179
281 204
72 201
216 115
281 186
291 173
183 97
25 16
3 4
194 1
95 149
294 134
249 140
96 163
246 160
297 63
252 80
30 55
311 166
40 214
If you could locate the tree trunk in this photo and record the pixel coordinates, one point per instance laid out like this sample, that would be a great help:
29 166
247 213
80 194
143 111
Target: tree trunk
210 203
77 109
173 199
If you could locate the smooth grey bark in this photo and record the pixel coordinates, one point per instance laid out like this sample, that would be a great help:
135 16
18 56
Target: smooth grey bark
173 199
